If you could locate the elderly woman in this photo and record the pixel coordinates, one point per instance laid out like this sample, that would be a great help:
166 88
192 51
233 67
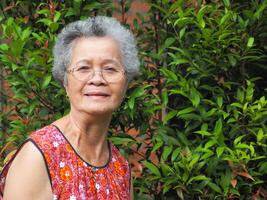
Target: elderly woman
71 158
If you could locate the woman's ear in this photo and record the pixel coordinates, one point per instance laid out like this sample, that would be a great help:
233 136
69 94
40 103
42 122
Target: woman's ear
66 90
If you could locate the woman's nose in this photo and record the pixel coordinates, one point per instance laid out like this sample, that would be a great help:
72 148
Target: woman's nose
97 78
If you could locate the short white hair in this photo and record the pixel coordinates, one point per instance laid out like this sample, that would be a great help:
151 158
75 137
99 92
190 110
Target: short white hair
99 26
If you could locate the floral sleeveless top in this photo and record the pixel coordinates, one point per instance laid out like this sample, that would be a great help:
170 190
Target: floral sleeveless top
71 177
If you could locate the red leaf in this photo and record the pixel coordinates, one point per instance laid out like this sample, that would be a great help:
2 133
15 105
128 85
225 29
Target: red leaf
26 19
46 44
245 174
233 182
12 5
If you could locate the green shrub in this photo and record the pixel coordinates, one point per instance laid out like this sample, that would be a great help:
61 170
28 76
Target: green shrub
211 144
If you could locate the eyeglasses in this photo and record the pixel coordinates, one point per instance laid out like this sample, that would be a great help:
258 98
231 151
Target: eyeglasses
110 74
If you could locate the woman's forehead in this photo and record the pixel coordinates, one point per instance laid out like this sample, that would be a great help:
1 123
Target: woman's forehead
93 47
94 41
103 60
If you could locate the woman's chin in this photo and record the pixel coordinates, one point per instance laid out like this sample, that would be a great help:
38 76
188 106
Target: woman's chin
99 110
96 107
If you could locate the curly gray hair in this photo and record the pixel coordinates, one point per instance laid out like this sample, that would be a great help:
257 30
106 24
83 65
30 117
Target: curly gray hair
99 26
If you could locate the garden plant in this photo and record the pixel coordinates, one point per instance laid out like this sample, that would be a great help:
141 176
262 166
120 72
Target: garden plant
198 109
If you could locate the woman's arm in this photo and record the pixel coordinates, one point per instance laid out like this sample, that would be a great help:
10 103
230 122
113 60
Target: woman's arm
27 177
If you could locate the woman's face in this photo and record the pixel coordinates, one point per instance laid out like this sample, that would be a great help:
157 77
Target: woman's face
95 95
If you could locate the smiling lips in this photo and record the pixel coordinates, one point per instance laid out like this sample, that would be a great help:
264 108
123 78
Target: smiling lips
96 94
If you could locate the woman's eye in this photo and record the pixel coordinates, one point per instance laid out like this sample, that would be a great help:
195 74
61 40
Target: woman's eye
83 68
110 69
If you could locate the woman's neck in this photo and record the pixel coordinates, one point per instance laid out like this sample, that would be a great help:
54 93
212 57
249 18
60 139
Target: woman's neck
88 135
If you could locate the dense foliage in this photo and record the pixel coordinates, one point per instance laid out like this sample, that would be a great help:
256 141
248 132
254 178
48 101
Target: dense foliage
199 106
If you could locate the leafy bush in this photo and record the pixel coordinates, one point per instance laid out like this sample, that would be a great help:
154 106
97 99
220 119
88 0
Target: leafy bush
211 144
199 107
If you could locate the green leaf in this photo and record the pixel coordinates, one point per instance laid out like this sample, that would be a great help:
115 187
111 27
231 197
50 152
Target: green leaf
157 145
131 102
182 32
179 61
53 26
185 111
158 7
210 113
263 167
240 96
260 135
32 106
219 101
197 178
169 42
166 169
225 180
242 146
238 139
219 151
26 33
249 91
190 117
201 23
181 22
195 158
166 188
57 16
218 128
166 152
77 5
37 36
250 42
21 97
214 187
232 60
226 3
210 143
46 81
238 105
204 127
175 153
234 191
152 168
225 18
17 47
260 9
138 92
169 116
4 47
194 97
231 120
203 133
70 12
165 98
93 6
44 12
169 74
120 140
46 22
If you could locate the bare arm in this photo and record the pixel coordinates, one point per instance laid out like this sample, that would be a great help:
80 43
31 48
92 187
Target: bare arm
27 178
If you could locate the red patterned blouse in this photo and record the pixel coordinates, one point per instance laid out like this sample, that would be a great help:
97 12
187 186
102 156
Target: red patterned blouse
70 176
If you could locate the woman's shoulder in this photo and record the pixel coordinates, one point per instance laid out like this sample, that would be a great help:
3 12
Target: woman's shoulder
49 130
46 135
117 156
